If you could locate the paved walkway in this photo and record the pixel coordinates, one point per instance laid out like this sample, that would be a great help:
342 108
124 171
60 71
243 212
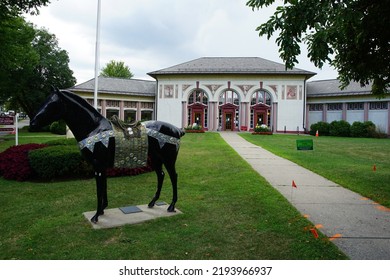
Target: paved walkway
357 225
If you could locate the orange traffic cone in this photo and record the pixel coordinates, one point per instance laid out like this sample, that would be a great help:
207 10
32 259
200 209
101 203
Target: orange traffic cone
317 133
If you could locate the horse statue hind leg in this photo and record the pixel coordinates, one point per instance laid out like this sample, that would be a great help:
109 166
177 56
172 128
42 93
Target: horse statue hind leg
167 157
164 153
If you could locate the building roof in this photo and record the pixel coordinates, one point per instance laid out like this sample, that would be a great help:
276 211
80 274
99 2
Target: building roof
325 88
118 86
231 65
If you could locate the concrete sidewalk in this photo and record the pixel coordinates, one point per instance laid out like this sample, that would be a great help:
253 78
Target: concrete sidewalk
358 226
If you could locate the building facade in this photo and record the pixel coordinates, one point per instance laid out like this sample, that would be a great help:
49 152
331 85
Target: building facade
232 94
236 94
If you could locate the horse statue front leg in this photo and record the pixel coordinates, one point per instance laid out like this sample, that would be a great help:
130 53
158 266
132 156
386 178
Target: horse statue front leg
170 166
101 193
157 166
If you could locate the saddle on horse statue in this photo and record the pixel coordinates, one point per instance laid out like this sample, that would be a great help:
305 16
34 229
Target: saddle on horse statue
129 130
131 144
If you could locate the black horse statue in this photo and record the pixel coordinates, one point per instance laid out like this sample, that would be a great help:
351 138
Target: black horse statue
87 123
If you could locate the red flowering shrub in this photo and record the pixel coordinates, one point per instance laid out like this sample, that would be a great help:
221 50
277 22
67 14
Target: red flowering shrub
61 161
14 163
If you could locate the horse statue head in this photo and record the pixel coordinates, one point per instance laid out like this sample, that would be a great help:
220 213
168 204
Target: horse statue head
51 110
82 119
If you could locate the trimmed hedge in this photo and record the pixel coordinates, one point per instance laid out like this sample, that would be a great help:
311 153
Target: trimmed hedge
321 127
342 128
58 127
365 129
59 161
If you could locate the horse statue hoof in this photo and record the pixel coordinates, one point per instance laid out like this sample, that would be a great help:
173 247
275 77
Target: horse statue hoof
152 203
94 219
171 208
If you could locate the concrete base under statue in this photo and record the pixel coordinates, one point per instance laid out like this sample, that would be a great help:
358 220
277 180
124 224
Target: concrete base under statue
116 217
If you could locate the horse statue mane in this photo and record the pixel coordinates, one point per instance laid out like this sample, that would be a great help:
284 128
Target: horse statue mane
77 98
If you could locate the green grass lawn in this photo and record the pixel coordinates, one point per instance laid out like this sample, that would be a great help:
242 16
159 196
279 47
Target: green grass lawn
26 137
229 212
346 161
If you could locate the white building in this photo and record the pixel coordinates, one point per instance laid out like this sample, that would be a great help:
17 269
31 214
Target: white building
237 93
232 93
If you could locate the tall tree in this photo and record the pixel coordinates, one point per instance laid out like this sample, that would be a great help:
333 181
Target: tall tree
352 35
8 7
116 69
39 63
18 55
16 34
16 52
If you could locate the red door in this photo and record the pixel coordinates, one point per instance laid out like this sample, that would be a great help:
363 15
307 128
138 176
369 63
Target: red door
229 122
260 118
197 118
197 114
228 115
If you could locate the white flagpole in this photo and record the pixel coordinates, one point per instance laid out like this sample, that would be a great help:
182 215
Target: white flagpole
97 53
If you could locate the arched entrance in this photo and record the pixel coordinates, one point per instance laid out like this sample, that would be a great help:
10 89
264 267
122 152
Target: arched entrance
261 108
197 108
229 115
262 114
229 110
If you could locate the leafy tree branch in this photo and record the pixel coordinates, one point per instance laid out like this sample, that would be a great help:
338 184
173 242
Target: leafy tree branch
352 35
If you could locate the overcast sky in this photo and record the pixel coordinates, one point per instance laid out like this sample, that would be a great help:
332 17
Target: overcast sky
150 35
